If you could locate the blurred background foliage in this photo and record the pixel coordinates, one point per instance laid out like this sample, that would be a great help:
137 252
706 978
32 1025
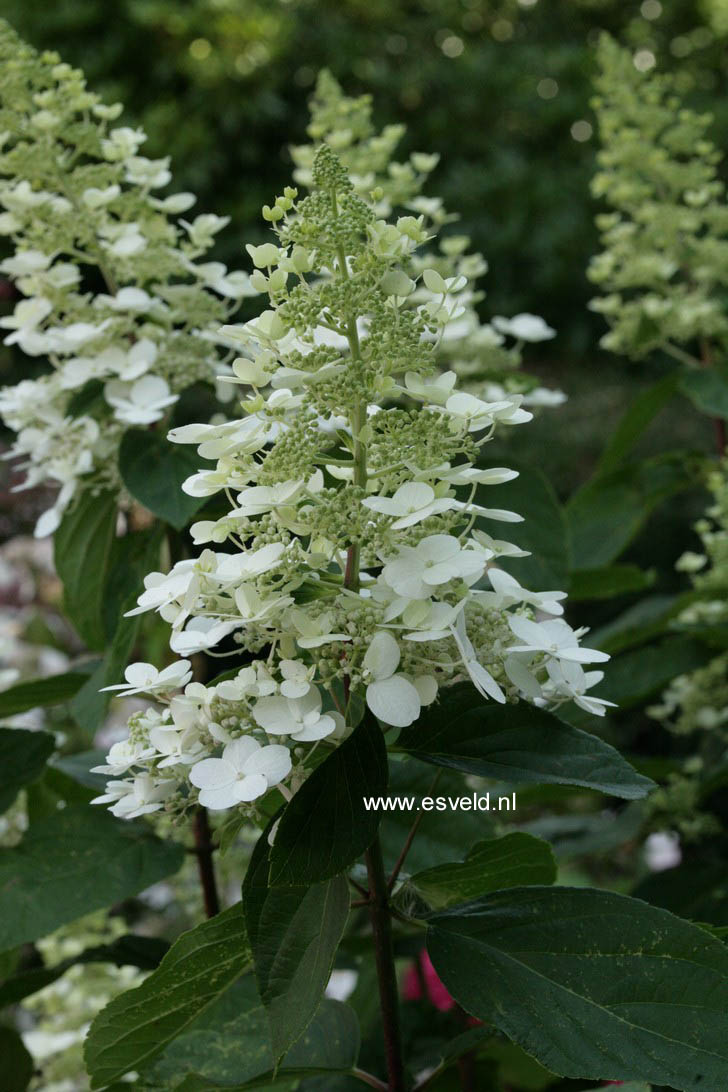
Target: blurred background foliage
500 88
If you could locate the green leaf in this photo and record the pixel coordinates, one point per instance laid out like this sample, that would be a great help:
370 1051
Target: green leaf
229 1045
642 411
543 531
437 842
78 767
137 1025
695 889
640 622
609 581
606 514
82 553
577 835
294 932
153 471
511 861
17 1063
592 984
23 756
638 674
517 743
36 693
129 950
629 1086
88 706
79 859
326 825
707 390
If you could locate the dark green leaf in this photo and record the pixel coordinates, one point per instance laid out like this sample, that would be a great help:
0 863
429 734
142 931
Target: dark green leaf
136 1026
609 581
23 756
89 705
697 888
644 620
606 513
229 1044
436 842
543 531
78 766
517 743
577 835
638 674
592 984
326 826
17 1064
40 692
707 390
77 860
639 415
511 861
82 553
153 471
294 932
129 950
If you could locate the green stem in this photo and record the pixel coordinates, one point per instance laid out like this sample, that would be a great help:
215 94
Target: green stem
384 957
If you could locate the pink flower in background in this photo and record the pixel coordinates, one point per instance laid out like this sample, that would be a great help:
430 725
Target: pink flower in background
425 974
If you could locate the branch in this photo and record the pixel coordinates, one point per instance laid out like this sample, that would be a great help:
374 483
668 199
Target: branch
204 850
384 957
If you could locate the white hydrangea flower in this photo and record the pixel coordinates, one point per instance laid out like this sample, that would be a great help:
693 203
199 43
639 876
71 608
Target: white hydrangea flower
140 795
300 717
245 772
144 678
392 697
524 327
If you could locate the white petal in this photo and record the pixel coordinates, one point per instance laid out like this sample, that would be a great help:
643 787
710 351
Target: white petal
484 681
394 701
219 799
251 787
212 773
318 729
239 752
426 687
382 656
273 714
273 761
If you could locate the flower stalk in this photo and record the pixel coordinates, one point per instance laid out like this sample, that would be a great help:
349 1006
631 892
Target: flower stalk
386 973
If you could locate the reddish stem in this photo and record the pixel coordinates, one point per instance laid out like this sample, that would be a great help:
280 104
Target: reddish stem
205 863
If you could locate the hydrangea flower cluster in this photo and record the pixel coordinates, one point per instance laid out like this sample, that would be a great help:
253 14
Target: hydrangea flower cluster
698 702
665 241
357 562
115 294
485 356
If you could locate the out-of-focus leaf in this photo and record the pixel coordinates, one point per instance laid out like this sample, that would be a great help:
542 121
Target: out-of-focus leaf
543 531
642 411
23 756
610 581
82 553
605 515
75 861
153 471
707 390
37 693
